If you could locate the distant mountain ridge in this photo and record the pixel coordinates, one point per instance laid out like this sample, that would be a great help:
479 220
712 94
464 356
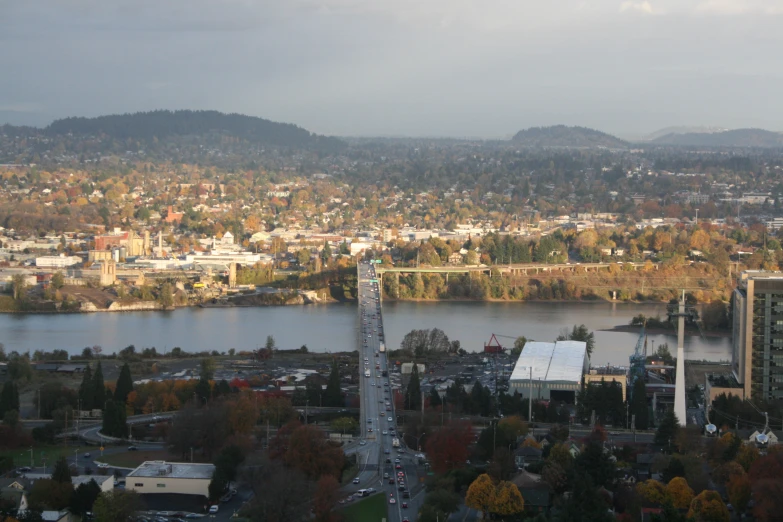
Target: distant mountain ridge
696 129
729 138
564 136
146 126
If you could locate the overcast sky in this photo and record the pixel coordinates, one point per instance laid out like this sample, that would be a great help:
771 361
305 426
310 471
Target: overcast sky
477 68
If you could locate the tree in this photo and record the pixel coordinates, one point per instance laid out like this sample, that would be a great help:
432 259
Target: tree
86 389
513 427
434 398
114 420
278 491
413 390
507 500
124 385
708 507
519 345
481 494
667 429
739 492
311 453
19 286
49 494
84 497
166 296
639 405
61 473
679 492
99 388
9 398
303 257
652 491
345 424
207 369
58 280
270 343
595 463
334 394
327 493
117 506
228 461
674 469
218 485
326 253
448 447
579 333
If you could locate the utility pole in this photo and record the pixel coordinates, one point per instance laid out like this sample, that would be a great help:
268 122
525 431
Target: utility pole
633 426
530 398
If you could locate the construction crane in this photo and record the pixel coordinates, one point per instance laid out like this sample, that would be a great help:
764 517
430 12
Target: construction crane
639 357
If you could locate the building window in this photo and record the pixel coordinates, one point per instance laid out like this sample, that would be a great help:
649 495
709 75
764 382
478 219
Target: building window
139 485
161 485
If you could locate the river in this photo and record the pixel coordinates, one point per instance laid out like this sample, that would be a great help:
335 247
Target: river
334 327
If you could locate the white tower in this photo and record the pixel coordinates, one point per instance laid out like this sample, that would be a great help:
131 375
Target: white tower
679 385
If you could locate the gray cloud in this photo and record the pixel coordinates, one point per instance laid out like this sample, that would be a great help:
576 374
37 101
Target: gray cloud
440 67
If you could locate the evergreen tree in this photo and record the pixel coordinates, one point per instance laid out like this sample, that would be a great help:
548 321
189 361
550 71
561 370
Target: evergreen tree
334 395
326 253
413 391
124 385
222 388
435 399
84 497
61 472
667 429
114 420
87 390
9 398
99 388
639 405
203 391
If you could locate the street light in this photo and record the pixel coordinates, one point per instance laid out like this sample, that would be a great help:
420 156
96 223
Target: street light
419 439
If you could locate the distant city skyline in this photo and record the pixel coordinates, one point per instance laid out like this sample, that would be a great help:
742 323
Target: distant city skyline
439 68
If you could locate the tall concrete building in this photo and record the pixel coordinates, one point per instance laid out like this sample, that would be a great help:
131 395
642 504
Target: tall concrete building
757 355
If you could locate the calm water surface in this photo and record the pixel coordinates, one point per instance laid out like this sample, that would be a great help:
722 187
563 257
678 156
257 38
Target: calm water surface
334 327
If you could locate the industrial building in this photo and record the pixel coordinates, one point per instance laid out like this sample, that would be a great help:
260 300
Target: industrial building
553 370
608 374
757 354
157 476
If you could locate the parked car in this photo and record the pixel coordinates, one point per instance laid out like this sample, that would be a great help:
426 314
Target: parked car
214 509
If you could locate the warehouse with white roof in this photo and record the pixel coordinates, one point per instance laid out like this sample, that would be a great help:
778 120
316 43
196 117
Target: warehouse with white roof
157 476
550 370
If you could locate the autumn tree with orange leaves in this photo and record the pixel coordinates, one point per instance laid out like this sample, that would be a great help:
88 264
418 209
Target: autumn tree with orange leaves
679 492
708 507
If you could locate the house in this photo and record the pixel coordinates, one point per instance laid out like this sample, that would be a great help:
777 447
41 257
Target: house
455 258
13 494
58 516
536 493
526 455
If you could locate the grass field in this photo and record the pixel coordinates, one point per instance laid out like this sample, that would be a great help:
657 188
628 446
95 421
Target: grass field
131 459
371 509
21 456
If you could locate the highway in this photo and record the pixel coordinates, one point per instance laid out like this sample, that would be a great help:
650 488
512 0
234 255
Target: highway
375 453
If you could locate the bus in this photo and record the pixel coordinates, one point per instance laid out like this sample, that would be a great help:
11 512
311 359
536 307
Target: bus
383 347
395 442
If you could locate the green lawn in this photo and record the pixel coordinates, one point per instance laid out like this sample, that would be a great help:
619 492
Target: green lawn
21 456
132 459
371 509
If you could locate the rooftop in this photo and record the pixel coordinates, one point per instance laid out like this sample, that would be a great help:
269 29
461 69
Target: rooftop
159 468
561 361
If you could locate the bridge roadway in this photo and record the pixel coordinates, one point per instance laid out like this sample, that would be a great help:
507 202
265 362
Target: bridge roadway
516 269
378 417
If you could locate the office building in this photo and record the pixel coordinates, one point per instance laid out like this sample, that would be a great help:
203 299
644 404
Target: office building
757 354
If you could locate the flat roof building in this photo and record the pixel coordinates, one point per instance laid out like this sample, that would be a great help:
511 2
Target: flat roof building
557 370
157 476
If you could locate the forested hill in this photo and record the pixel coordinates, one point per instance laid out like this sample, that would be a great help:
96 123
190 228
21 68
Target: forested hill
147 126
731 138
563 136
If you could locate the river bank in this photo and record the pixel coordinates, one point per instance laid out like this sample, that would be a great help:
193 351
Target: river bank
689 331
